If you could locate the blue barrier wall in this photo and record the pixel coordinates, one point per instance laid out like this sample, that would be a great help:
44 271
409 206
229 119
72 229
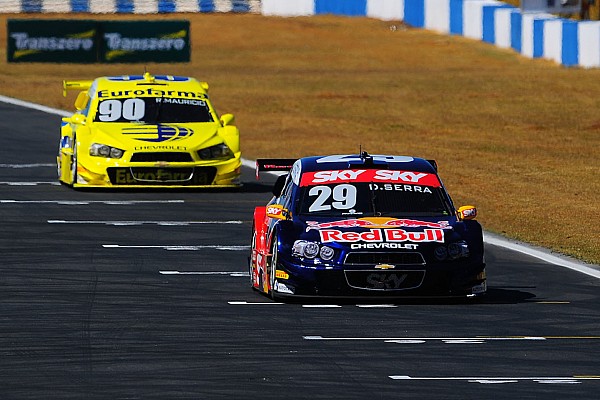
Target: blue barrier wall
138 6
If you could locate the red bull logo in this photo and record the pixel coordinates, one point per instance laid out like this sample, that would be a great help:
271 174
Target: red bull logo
379 235
383 223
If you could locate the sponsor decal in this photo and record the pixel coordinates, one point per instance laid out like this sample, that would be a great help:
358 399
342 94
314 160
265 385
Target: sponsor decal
25 44
159 133
281 274
118 45
375 235
400 188
377 223
387 246
160 147
369 175
276 211
152 92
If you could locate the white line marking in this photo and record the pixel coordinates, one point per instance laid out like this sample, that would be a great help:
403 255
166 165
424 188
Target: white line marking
501 380
39 107
130 223
179 248
86 202
7 183
542 255
234 274
246 303
376 306
443 339
20 166
496 241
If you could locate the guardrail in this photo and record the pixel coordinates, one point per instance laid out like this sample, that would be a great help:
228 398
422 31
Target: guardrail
534 35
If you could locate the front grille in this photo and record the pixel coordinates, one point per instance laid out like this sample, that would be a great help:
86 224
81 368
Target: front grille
385 280
358 258
162 176
163 156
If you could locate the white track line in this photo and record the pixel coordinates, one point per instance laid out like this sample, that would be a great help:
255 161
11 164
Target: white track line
179 247
591 270
135 223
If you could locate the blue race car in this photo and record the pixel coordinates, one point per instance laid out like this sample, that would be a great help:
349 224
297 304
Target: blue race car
364 225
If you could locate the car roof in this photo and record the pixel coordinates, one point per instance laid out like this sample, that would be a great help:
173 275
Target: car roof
163 83
364 160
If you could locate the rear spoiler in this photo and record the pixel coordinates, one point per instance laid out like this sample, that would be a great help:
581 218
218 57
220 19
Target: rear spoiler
274 165
76 85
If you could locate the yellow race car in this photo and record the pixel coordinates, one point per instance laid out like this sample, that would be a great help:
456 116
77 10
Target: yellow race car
147 131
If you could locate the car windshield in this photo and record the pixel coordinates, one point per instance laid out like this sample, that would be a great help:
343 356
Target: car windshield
375 197
153 110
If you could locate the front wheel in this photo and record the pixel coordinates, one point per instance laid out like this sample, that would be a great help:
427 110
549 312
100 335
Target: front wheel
273 270
74 162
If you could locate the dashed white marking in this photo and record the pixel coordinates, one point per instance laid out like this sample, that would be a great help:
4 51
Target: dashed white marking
234 274
87 202
252 303
21 166
376 306
133 223
502 380
7 183
179 248
448 340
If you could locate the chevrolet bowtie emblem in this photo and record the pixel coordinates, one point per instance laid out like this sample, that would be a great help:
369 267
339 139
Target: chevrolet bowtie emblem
385 266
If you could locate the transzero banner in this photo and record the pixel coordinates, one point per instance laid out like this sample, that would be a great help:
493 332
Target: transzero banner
87 41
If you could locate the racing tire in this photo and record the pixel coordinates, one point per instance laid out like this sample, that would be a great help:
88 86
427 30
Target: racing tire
273 270
250 267
74 163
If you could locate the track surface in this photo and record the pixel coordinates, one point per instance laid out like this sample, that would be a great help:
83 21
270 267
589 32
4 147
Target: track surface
143 295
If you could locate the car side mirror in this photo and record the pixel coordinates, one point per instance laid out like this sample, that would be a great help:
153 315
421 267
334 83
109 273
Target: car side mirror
279 184
78 119
81 101
277 211
466 213
227 119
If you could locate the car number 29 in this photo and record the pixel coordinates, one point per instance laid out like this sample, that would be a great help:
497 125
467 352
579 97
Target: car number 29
343 196
113 110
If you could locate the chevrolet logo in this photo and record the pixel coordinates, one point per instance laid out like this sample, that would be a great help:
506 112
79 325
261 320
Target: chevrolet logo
385 266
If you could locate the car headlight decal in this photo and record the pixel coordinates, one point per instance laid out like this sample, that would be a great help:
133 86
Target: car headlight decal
311 250
102 150
217 152
452 251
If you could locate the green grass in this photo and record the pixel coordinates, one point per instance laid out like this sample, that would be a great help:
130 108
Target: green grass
519 138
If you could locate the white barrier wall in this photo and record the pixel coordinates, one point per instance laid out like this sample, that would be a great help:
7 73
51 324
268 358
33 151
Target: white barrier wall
473 17
589 50
502 26
387 10
293 8
437 15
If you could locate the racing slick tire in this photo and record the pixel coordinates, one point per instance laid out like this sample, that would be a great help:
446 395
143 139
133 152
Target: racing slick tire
74 162
273 270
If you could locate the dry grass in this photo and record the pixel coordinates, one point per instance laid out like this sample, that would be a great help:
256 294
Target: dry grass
517 137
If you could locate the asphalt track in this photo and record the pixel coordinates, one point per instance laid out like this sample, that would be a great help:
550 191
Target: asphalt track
142 295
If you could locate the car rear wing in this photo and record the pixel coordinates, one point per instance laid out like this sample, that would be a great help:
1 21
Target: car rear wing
274 165
76 85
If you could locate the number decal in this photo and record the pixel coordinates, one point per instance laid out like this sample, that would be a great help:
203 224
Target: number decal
344 197
113 110
319 204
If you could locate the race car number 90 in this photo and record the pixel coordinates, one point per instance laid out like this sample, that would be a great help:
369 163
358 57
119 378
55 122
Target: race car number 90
113 110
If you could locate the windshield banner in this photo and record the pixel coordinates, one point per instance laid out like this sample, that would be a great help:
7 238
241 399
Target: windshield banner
369 175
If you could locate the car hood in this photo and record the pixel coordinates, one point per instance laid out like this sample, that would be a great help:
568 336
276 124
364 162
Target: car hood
155 136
